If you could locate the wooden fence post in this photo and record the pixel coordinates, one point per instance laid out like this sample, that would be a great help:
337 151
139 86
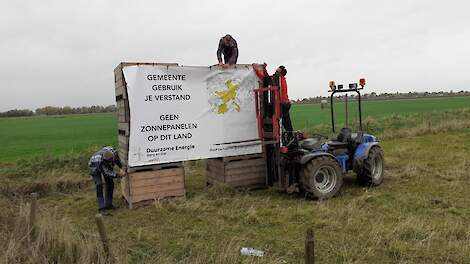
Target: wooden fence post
309 247
32 215
104 238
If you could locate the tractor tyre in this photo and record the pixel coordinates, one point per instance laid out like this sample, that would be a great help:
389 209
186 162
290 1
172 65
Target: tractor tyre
322 177
372 172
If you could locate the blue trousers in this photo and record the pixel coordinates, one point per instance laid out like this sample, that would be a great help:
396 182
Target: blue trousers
105 200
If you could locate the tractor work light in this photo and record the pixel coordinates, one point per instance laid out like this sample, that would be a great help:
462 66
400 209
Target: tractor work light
332 85
362 82
340 86
353 86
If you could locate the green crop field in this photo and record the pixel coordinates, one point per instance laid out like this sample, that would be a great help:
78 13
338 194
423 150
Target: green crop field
23 137
307 115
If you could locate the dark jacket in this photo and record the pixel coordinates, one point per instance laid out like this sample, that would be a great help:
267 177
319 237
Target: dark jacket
99 166
230 51
276 80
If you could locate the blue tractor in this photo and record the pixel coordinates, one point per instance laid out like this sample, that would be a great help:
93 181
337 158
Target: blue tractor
315 166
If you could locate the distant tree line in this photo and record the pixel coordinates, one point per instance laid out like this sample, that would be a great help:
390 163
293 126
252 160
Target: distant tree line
16 113
385 96
67 110
59 110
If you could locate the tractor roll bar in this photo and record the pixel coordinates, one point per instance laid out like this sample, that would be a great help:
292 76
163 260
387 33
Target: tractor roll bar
333 92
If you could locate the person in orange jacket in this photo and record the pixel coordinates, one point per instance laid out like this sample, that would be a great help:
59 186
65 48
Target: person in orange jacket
278 79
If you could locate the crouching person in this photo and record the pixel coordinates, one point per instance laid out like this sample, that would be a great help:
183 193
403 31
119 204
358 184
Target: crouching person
101 166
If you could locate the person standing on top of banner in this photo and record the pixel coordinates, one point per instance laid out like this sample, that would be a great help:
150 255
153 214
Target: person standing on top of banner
228 47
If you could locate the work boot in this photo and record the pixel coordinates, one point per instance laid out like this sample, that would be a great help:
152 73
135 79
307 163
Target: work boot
110 207
103 212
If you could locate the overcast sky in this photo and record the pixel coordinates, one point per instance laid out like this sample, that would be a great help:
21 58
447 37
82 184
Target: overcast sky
64 52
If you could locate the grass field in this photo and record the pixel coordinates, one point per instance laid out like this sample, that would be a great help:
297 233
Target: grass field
420 214
308 115
23 137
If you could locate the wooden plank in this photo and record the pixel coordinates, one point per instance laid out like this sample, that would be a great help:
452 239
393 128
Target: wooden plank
245 173
157 174
121 104
215 173
245 163
123 129
242 157
155 167
142 175
211 179
123 143
118 75
125 187
157 181
216 166
156 189
157 196
118 68
216 169
215 162
123 152
245 170
122 109
247 178
242 183
123 157
260 173
214 177
119 80
121 92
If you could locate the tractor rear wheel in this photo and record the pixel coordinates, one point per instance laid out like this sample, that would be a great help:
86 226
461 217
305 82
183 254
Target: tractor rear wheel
372 172
322 177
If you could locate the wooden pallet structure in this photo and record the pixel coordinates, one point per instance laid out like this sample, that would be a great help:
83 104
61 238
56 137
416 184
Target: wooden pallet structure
150 184
241 172
143 184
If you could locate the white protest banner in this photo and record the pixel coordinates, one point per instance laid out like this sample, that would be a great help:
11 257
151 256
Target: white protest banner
182 113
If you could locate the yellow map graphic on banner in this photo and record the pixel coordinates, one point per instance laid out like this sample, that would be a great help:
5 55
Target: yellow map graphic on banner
228 97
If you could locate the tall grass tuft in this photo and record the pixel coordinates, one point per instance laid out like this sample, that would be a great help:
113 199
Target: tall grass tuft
53 242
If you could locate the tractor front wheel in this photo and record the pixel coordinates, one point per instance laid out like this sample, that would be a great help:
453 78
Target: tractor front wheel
322 177
372 172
